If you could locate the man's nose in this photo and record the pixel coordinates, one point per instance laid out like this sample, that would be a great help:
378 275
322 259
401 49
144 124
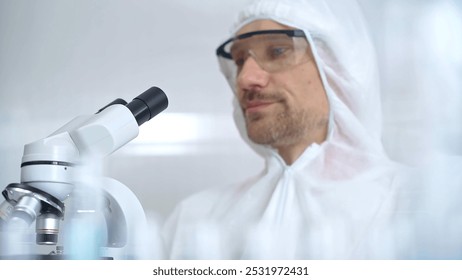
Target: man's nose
251 76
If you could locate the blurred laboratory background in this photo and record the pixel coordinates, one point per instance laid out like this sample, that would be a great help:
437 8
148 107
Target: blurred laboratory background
60 59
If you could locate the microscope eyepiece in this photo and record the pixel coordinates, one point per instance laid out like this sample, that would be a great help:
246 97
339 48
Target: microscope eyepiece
148 104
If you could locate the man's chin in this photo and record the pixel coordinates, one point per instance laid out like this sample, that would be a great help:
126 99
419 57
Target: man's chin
259 135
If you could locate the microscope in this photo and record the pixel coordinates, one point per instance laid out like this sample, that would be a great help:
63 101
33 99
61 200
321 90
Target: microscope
61 183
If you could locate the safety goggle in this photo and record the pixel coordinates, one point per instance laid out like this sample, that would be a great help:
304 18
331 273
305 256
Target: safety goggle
273 51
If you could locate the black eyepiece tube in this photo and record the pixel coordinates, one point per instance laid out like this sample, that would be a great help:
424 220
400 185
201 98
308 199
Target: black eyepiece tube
148 104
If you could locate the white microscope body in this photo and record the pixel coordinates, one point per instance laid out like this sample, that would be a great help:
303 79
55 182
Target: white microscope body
105 219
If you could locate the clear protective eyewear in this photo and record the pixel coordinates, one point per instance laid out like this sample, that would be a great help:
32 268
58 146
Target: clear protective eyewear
273 51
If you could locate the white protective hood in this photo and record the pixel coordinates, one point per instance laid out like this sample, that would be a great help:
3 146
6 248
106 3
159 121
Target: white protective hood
337 195
345 58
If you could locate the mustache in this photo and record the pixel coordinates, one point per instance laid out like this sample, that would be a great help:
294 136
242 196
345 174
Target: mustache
252 95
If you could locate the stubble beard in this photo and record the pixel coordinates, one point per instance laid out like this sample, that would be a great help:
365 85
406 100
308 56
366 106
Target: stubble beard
284 127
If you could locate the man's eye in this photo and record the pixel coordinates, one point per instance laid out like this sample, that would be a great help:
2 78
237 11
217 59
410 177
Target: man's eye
239 59
276 52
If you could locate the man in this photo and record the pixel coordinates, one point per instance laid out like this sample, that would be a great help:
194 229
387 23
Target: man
285 107
307 99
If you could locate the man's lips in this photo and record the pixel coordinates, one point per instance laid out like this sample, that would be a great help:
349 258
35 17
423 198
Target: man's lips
255 106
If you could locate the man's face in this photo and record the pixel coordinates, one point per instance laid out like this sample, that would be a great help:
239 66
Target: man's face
283 108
